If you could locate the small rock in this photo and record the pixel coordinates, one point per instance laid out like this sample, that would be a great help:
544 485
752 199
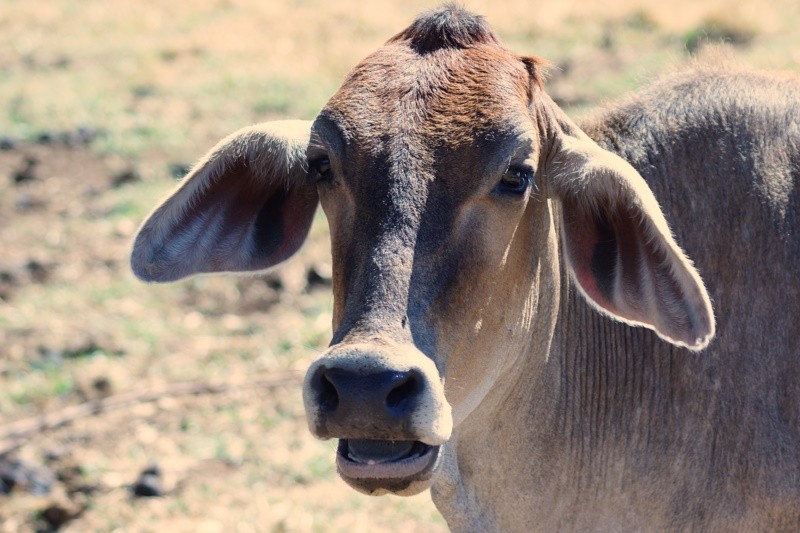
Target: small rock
71 475
38 272
273 280
179 170
7 144
143 91
62 62
319 275
102 385
46 137
56 515
27 172
53 356
8 277
28 202
84 347
149 484
81 136
86 134
16 474
8 284
55 454
125 177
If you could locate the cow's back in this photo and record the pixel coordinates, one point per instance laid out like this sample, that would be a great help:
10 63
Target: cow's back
721 150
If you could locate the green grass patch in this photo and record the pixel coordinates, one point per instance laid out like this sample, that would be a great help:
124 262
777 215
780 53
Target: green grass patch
719 29
125 209
38 387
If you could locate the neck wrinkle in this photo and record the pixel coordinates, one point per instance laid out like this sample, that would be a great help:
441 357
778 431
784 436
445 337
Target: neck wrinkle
619 388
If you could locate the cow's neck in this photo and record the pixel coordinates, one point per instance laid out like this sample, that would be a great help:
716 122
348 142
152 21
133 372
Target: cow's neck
593 407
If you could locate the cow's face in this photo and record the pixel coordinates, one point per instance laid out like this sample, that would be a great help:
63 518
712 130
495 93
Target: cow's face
457 195
426 166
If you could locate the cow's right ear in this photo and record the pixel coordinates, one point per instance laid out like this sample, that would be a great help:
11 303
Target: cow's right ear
246 206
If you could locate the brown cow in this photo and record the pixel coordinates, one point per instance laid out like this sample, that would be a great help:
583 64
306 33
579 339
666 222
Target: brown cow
461 201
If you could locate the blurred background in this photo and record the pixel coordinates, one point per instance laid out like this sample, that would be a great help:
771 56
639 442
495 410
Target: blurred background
126 407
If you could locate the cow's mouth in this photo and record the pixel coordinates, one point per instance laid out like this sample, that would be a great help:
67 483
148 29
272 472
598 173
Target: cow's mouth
385 464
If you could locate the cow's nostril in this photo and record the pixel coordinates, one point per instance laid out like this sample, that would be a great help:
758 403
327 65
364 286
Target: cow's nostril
327 396
400 399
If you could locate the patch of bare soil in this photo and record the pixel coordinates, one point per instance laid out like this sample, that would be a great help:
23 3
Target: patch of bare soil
131 407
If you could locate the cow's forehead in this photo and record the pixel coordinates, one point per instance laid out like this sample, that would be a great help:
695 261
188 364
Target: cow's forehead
449 97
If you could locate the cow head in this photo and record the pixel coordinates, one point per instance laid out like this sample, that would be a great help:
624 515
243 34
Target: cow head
458 197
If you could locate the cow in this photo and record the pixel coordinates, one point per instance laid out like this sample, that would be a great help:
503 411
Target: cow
515 325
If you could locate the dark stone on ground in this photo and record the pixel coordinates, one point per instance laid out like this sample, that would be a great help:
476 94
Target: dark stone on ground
38 272
55 516
125 177
27 172
46 137
319 275
149 484
179 170
19 475
27 202
273 281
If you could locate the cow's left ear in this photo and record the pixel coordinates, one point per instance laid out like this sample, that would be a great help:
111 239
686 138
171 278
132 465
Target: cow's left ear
247 205
619 247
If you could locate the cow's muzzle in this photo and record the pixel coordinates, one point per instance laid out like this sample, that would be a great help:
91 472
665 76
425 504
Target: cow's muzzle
386 406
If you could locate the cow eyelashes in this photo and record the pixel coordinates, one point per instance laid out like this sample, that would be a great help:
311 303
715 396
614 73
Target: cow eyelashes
320 169
515 180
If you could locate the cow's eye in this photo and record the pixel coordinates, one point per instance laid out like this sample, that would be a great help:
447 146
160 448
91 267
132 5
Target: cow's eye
515 180
320 169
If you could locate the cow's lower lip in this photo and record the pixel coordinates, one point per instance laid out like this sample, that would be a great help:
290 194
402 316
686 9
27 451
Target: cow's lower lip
381 459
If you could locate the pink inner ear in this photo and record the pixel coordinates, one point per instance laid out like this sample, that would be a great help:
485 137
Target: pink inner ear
616 266
232 224
259 225
593 255
282 225
627 268
246 206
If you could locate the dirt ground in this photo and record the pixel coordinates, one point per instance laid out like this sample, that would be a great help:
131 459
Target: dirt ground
133 407
230 453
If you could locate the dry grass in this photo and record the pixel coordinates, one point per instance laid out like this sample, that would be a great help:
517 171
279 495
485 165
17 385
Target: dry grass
167 79
163 81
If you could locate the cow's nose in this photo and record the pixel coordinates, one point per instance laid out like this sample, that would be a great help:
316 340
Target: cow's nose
371 391
386 397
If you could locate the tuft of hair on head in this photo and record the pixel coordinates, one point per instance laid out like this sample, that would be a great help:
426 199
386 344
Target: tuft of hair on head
449 26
